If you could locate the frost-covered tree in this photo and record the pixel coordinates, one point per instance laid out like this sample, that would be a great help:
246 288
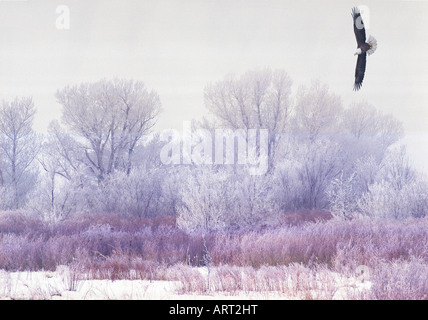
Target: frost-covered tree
341 197
138 193
398 191
208 198
372 131
395 168
364 138
255 199
63 180
258 99
367 133
288 189
315 127
318 113
61 153
108 119
319 165
213 198
66 186
19 146
384 201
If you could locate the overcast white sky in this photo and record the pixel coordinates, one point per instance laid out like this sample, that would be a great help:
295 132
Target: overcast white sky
177 47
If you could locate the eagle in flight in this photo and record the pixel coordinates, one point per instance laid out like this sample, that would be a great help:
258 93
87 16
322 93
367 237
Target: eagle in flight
363 48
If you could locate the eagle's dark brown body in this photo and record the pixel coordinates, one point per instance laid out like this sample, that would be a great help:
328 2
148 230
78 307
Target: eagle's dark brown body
364 47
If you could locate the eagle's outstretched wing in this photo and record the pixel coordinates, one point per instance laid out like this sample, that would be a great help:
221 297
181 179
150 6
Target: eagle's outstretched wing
359 30
359 71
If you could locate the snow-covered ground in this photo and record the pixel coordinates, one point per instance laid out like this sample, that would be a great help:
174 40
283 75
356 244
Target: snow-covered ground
52 286
62 284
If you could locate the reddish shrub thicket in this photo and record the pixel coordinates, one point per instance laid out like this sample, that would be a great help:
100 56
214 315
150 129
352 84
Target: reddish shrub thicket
334 243
114 242
20 223
401 280
299 217
28 244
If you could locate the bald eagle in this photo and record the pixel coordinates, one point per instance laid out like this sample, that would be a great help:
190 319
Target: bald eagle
363 47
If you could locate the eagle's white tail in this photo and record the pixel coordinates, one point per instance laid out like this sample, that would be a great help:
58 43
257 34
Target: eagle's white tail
373 45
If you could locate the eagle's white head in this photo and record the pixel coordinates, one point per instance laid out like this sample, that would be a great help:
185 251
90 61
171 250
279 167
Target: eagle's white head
358 51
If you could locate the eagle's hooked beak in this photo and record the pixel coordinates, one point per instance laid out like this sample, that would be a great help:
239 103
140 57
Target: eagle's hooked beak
355 54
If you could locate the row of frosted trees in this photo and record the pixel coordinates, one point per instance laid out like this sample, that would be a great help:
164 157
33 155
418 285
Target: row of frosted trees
103 156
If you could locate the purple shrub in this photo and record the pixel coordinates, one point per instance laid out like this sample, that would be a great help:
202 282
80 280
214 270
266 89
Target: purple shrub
111 246
401 280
